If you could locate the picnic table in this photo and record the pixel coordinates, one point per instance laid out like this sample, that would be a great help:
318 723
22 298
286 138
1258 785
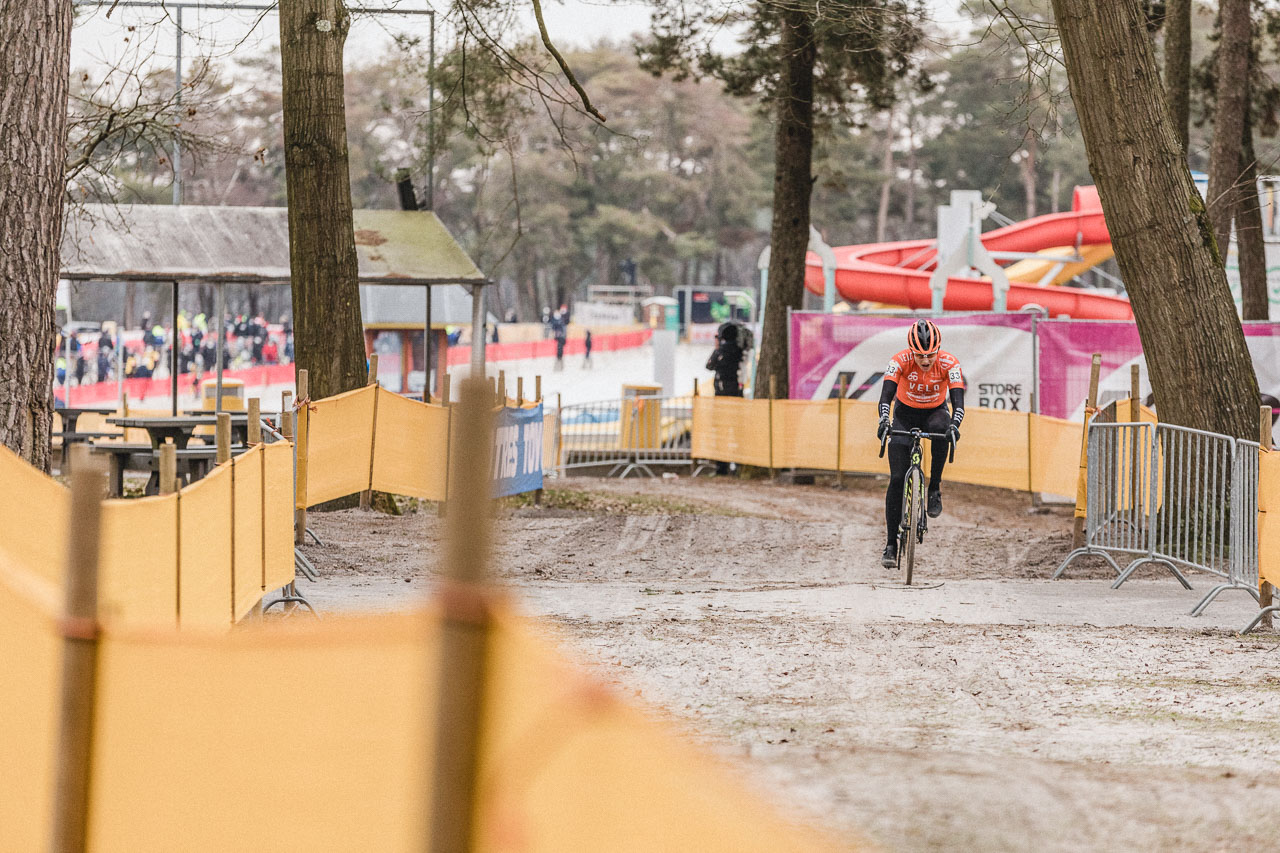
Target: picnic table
180 429
164 428
193 464
72 436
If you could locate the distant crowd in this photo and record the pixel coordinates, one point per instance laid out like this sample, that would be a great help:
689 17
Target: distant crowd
107 353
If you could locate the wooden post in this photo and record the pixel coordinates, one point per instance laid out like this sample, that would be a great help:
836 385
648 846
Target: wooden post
537 385
255 421
286 415
1266 592
519 392
773 392
844 389
444 393
222 437
1135 393
79 629
366 496
1091 402
502 387
300 443
559 432
464 630
168 467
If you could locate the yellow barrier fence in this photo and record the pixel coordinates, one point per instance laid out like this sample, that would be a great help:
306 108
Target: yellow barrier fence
407 441
1269 517
196 745
1010 450
202 556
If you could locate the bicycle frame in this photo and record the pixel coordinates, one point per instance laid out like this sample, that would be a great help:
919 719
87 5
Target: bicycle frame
914 521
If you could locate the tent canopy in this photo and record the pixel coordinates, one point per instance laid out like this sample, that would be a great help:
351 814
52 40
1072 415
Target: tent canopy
150 242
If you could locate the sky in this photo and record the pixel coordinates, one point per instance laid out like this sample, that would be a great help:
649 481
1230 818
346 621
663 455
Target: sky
97 40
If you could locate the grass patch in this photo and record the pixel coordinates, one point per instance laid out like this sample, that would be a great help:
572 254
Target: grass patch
579 500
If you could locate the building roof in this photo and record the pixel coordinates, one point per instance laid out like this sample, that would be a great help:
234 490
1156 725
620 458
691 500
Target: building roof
151 242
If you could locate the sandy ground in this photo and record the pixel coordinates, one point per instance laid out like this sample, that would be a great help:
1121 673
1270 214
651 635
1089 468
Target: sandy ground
986 708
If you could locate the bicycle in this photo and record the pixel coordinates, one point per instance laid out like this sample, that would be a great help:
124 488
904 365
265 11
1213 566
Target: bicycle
915 518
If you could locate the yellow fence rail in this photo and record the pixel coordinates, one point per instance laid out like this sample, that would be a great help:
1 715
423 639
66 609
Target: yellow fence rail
196 747
201 556
1008 450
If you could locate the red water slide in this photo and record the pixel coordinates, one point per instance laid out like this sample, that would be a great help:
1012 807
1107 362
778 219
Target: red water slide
892 272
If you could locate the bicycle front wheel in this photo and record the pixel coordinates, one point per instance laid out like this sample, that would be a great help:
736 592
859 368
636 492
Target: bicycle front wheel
911 494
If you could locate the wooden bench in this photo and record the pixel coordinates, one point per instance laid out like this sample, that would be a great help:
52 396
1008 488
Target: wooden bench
69 439
193 464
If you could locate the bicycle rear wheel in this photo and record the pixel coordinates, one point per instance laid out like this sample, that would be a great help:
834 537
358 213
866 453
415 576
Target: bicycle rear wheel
910 517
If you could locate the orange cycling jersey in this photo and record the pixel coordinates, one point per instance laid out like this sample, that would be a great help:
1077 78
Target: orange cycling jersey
924 389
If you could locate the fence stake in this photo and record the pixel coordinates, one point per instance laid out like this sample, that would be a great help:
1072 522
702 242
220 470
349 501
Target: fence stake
537 386
366 497
286 415
519 392
844 388
1266 592
168 467
222 438
300 443
464 630
79 628
502 387
255 421
373 369
1091 402
773 392
559 432
1135 415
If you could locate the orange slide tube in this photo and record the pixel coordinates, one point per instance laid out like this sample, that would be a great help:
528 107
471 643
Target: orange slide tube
891 272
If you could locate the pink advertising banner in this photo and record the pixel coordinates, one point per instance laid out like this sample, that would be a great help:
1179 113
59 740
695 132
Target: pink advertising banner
996 353
1067 347
1005 357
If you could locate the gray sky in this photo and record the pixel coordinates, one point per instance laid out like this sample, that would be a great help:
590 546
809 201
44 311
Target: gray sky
572 23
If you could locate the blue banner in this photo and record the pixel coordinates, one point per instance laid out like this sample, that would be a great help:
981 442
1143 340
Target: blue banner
517 451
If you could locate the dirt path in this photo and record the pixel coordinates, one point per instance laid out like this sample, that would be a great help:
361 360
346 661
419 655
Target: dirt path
988 709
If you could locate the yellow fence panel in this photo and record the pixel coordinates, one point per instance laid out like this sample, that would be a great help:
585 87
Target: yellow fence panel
804 434
861 448
409 449
248 545
205 551
731 429
29 670
1269 517
340 432
992 450
1054 467
138 562
33 511
277 514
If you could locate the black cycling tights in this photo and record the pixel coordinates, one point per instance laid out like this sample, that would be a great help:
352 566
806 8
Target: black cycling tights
927 420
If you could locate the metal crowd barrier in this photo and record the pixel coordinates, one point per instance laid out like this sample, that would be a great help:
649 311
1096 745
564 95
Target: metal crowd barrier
1172 496
632 434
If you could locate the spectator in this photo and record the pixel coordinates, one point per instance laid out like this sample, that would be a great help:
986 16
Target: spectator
586 348
560 331
725 362
104 362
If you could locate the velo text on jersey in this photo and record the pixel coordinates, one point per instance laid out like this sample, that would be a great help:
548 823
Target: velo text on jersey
924 389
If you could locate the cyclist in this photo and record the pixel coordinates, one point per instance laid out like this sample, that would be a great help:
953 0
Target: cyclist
922 377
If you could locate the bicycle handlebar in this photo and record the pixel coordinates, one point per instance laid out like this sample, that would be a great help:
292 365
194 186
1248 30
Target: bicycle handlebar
918 434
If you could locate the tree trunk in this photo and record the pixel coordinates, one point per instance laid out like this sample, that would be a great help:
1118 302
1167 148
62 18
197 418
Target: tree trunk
1201 372
886 185
1250 248
1228 122
909 202
792 186
328 337
1177 66
34 74
1028 165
